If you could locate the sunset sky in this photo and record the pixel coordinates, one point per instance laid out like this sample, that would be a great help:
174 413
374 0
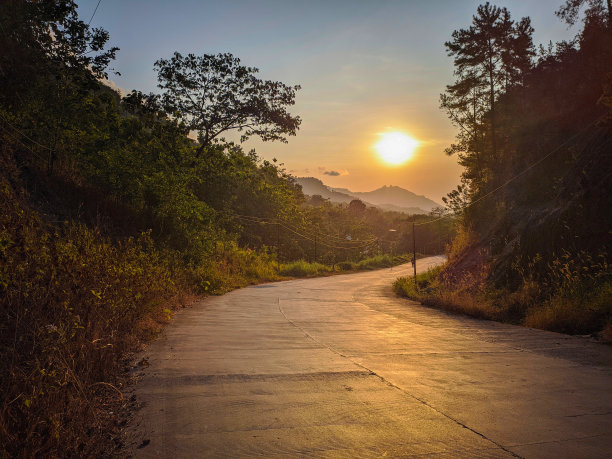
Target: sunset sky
365 67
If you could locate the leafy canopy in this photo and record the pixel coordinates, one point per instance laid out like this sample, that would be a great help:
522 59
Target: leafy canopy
491 57
213 93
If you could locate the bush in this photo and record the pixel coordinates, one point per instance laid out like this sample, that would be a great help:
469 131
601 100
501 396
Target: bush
72 302
572 295
427 285
303 268
232 267
382 261
346 265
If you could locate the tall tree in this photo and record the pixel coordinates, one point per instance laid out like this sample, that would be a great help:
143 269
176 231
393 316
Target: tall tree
48 59
213 94
490 56
570 10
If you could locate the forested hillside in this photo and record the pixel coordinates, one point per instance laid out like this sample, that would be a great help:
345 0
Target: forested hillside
391 198
116 210
535 142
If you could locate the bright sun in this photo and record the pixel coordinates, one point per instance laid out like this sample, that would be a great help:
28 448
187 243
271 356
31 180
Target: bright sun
395 147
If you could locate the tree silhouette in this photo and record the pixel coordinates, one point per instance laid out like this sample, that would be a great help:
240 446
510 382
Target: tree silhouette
357 206
490 57
570 9
212 94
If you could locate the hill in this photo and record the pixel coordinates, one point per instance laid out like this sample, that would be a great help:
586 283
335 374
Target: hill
393 198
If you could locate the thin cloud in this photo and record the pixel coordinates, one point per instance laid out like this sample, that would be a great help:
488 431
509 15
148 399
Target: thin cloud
331 172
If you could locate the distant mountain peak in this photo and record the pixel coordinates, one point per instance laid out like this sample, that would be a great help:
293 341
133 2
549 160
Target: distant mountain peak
387 197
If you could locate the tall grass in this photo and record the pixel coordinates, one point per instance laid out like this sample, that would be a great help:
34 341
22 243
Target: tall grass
381 261
572 294
73 303
303 268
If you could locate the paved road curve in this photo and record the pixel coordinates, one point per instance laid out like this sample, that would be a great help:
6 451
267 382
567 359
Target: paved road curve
339 367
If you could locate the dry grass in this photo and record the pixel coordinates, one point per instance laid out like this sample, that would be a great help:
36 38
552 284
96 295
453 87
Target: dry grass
70 302
73 304
574 297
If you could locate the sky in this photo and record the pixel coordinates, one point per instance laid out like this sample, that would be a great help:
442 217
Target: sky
365 68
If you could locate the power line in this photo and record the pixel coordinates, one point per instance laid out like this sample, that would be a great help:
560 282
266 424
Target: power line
94 13
354 244
524 171
331 236
582 131
322 242
22 134
23 144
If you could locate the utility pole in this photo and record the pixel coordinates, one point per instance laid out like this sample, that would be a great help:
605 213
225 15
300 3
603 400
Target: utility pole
315 247
278 245
414 256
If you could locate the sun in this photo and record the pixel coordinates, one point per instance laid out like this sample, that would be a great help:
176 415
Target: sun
396 147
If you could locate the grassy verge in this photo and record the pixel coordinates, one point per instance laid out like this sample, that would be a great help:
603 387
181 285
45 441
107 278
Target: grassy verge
73 303
573 310
303 268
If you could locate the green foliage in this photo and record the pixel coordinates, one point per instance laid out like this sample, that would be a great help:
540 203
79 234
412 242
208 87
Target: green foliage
232 267
427 284
346 266
71 303
212 94
534 198
301 268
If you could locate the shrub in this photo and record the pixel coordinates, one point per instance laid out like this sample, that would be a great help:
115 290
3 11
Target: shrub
71 302
303 268
346 265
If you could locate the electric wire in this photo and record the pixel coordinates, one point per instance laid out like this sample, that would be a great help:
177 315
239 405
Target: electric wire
320 237
524 171
22 134
304 236
94 13
27 147
331 236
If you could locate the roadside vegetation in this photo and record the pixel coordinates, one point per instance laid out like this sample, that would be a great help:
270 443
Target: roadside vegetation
534 208
112 216
302 268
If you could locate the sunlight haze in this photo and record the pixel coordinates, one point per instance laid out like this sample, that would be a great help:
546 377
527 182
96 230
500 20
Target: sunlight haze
363 67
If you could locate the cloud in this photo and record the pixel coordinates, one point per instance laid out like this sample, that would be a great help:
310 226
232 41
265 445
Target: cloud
331 172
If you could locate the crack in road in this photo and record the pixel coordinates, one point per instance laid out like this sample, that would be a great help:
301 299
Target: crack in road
264 372
395 386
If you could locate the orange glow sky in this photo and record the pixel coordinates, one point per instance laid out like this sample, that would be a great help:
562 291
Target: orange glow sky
365 67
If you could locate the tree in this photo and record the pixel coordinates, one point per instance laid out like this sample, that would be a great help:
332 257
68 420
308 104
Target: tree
212 94
49 58
571 8
490 57
356 206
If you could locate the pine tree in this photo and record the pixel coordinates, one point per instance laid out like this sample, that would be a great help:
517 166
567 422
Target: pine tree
490 57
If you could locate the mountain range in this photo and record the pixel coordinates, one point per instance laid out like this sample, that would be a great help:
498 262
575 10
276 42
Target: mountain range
391 197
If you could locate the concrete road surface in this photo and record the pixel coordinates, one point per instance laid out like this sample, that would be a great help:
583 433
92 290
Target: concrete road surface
340 367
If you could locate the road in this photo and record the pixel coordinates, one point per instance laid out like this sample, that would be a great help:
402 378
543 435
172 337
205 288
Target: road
340 367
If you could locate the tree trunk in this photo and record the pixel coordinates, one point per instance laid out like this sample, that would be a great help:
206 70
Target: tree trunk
492 103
